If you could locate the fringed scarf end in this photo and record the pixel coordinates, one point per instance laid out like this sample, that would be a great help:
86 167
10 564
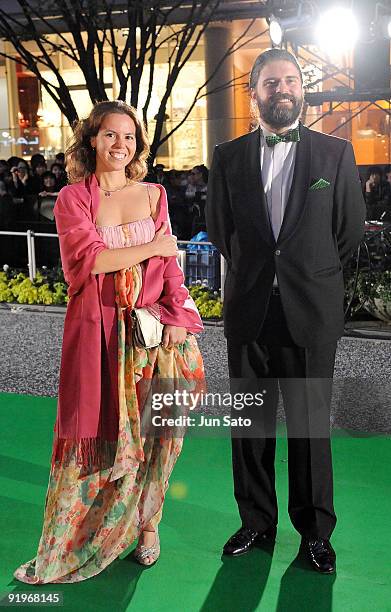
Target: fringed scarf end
90 454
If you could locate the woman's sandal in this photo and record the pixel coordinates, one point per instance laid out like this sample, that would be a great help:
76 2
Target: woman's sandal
142 552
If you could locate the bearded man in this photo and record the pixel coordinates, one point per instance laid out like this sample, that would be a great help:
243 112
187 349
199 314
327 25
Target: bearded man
285 209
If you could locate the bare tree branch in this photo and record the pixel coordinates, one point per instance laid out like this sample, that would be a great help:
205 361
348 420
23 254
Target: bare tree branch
199 96
196 16
234 47
89 29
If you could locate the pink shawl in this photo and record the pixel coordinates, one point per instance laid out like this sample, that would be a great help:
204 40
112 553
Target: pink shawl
87 412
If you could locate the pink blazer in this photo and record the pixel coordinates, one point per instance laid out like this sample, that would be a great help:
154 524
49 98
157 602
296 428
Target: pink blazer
91 316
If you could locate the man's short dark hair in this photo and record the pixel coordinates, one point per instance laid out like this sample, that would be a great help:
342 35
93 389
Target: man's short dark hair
271 55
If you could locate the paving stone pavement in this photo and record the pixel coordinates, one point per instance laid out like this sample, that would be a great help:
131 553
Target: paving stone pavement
31 349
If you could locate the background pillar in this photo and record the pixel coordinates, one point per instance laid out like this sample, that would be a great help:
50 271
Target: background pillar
220 104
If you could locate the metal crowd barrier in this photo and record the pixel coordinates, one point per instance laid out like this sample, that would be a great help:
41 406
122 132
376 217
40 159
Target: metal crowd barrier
374 231
32 266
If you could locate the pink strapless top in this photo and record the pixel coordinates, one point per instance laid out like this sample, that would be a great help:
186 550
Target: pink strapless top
127 234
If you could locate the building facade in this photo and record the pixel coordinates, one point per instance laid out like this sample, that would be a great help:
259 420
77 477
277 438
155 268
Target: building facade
31 122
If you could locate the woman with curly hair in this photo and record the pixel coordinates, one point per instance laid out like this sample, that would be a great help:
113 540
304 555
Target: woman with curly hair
110 469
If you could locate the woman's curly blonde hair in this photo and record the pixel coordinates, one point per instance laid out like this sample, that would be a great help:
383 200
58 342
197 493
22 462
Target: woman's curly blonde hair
80 156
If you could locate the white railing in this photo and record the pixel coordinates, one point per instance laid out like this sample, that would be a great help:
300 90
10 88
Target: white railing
32 266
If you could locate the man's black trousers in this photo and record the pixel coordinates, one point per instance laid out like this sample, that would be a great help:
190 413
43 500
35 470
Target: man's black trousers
304 376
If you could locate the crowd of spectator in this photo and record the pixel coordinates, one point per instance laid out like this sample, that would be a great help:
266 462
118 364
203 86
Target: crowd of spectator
377 192
28 191
186 194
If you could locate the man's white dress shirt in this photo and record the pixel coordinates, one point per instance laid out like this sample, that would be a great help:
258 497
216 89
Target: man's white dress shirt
277 165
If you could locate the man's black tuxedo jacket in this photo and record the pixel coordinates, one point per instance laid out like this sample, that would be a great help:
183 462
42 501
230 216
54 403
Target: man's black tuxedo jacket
321 228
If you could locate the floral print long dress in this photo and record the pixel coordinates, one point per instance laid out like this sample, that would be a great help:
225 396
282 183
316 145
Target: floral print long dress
89 520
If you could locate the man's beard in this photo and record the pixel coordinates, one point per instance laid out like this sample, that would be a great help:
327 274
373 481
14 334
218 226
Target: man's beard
280 115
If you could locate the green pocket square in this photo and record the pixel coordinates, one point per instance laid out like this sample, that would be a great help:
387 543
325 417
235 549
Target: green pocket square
319 184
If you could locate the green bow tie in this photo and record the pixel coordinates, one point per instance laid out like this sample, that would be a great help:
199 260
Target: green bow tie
290 136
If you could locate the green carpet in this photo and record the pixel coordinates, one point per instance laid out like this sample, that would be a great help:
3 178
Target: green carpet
199 515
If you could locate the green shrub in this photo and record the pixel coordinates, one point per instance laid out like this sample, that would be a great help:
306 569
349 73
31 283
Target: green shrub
208 302
47 288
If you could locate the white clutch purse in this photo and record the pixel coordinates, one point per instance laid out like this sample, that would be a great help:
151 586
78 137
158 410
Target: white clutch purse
147 330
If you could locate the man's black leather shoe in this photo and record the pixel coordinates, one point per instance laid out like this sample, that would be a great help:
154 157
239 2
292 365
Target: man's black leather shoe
321 555
244 539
